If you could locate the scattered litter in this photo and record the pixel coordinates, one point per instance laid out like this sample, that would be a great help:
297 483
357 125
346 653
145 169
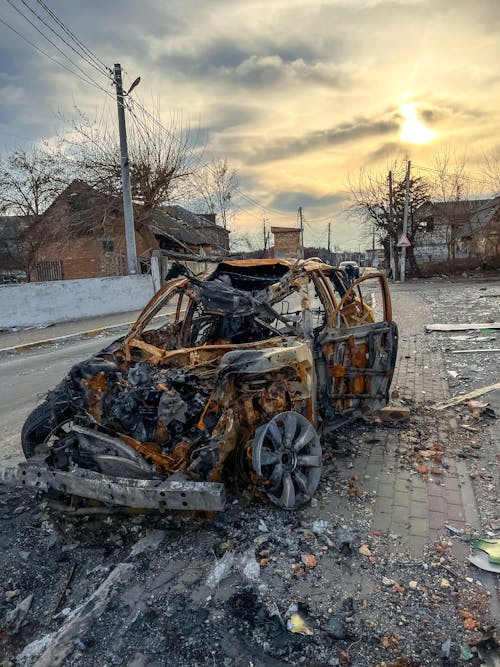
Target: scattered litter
445 649
470 621
492 548
149 543
17 616
465 653
480 560
388 582
477 408
463 327
453 529
79 644
69 579
220 570
12 594
295 623
249 566
319 526
309 560
364 550
262 526
481 350
465 397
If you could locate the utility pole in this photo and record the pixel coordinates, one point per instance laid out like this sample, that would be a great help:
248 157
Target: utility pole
392 263
405 223
128 212
265 234
301 224
329 251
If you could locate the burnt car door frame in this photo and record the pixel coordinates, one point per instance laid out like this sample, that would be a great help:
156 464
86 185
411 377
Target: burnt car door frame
355 360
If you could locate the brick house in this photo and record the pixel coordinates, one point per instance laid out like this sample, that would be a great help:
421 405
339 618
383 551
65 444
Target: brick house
286 242
81 235
462 231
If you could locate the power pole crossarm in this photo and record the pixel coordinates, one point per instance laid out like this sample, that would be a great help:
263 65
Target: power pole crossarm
128 211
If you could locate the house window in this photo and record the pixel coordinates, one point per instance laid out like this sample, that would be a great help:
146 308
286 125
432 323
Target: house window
108 246
427 224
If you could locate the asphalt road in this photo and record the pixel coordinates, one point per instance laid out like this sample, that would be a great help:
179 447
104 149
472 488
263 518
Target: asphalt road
27 377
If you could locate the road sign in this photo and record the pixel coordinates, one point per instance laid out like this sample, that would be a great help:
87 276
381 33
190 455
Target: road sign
404 242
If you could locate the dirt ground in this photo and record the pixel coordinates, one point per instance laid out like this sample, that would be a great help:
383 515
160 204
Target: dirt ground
255 585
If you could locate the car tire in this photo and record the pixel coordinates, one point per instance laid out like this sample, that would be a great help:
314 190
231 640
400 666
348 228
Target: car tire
36 429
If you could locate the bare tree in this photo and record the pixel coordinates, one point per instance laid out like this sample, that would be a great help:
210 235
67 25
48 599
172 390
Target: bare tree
371 202
215 184
490 169
161 160
30 179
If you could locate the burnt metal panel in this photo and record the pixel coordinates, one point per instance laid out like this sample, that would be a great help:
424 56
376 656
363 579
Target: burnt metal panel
139 493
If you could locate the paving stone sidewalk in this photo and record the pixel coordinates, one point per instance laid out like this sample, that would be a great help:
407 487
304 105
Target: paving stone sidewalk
406 504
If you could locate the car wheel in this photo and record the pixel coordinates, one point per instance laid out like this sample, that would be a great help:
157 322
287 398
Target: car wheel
41 427
286 456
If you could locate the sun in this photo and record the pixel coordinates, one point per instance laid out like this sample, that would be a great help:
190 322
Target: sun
413 130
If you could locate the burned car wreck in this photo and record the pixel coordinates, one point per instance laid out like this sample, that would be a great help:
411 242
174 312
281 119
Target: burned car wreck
224 381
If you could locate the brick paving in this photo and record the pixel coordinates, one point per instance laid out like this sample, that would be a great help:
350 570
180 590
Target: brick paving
412 508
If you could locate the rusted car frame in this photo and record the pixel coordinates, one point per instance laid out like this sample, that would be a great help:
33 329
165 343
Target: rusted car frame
223 381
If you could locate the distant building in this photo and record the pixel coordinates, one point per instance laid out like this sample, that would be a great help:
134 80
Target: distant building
286 242
81 235
458 231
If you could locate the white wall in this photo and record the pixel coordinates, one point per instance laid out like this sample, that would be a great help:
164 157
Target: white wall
28 304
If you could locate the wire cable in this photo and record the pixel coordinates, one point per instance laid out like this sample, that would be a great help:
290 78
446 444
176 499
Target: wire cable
52 43
204 164
57 62
88 79
78 53
448 173
70 34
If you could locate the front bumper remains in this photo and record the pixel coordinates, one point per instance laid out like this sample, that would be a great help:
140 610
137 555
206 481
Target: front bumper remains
119 491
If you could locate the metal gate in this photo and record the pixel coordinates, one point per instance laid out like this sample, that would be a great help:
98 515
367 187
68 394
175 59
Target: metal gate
49 270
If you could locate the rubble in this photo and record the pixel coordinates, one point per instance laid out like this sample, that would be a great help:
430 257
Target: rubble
386 608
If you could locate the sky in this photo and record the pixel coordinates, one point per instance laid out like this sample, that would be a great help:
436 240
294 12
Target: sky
298 95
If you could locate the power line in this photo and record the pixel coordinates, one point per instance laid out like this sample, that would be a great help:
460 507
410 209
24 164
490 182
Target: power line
84 48
199 160
57 62
88 79
78 53
51 42
203 163
448 173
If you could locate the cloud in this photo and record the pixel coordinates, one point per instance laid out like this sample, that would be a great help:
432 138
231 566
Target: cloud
224 117
440 111
290 201
359 128
385 151
258 67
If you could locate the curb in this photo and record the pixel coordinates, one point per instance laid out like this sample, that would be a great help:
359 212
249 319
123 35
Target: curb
48 341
